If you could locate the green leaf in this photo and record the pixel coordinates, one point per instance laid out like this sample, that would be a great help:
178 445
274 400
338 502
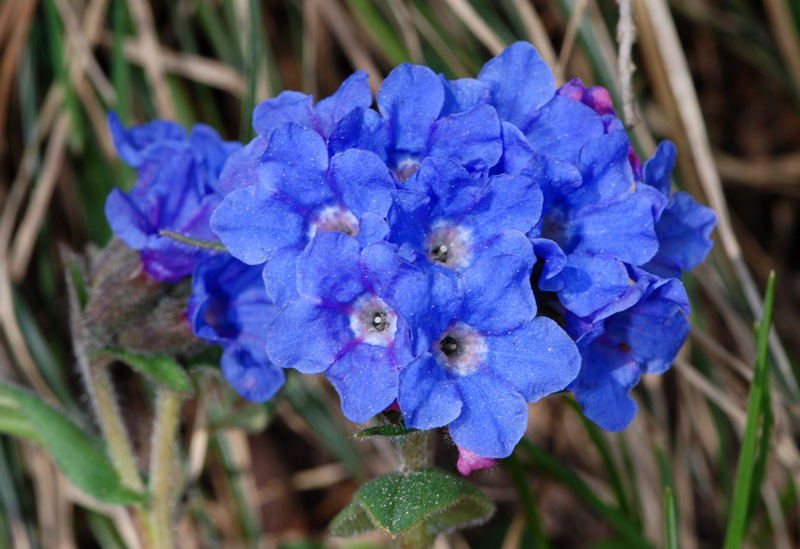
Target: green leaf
161 369
670 520
386 430
746 471
426 502
82 458
13 422
351 521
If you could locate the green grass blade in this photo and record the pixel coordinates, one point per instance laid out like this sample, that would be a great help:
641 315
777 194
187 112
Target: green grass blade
58 49
120 69
550 465
612 470
252 65
307 402
745 473
670 520
532 521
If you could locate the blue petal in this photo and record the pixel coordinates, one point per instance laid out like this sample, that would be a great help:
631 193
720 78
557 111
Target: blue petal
683 234
363 181
352 94
493 416
228 302
496 288
295 163
591 282
472 138
130 142
411 98
408 218
168 260
463 94
507 202
362 129
252 224
517 152
622 228
604 384
365 381
537 359
655 328
605 168
427 301
428 398
562 127
211 153
520 83
551 255
658 170
289 106
308 336
372 228
556 177
280 274
252 375
450 183
241 169
328 268
125 219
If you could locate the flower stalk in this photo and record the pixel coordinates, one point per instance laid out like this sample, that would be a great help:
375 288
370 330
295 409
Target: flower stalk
167 420
416 451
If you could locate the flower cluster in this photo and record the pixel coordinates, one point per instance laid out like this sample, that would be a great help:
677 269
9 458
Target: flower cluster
466 248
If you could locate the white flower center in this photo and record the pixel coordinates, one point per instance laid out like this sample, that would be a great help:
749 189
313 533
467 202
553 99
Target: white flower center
373 320
460 349
335 218
449 245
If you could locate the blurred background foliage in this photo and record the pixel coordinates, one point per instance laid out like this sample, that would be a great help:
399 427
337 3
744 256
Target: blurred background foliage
721 78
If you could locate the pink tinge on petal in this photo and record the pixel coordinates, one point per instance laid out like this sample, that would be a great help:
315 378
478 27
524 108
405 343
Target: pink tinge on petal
469 461
393 407
599 100
636 164
572 90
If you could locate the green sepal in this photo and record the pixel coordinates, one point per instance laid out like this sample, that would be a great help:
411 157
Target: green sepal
81 457
387 430
205 244
163 370
419 504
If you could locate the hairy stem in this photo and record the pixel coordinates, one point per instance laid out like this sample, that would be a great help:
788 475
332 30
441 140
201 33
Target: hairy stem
167 419
94 371
416 451
113 427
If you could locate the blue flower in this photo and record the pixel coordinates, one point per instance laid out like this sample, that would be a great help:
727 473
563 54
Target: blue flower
477 381
353 319
598 99
298 108
599 221
642 339
300 192
229 307
523 91
472 229
417 121
176 191
683 227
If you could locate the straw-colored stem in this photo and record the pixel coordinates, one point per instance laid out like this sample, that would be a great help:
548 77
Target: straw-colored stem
167 419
